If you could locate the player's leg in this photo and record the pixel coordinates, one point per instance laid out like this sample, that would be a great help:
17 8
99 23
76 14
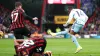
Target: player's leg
76 43
59 33
16 44
18 35
76 28
62 32
26 32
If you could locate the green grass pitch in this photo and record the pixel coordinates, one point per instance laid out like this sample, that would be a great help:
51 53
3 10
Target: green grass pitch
59 47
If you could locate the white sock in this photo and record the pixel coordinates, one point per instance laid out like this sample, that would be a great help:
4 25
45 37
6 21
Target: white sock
75 41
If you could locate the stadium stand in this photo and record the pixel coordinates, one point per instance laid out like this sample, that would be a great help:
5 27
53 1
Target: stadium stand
93 25
4 17
91 8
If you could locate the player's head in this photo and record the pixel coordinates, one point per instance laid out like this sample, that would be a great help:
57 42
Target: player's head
18 5
69 9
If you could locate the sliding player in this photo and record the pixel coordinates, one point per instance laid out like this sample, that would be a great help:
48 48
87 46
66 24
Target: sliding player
80 19
33 46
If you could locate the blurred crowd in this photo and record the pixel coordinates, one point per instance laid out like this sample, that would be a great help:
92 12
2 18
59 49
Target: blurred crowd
4 18
88 6
91 8
4 21
93 27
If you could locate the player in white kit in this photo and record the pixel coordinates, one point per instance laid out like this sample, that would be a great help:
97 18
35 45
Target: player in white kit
80 19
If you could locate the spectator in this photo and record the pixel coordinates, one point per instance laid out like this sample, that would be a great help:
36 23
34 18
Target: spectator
1 20
99 30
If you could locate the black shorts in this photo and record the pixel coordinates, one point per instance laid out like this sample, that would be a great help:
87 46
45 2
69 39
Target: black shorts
21 32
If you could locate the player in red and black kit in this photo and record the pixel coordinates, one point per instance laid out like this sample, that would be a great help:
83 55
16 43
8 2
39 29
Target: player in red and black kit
33 46
18 16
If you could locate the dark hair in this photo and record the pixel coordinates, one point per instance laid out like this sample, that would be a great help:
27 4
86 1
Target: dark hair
17 4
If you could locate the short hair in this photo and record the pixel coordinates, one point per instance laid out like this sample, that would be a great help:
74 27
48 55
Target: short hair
17 4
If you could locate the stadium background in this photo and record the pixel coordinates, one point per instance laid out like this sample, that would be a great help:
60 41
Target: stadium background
53 14
50 14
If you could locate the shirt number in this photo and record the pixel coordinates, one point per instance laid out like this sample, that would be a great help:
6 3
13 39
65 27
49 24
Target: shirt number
27 43
14 16
79 13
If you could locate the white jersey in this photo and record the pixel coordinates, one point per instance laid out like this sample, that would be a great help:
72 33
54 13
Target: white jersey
79 16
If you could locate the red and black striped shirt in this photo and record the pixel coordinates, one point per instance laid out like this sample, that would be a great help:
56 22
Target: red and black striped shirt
31 44
17 17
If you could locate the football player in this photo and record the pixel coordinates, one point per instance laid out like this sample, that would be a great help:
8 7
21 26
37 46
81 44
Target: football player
33 46
80 19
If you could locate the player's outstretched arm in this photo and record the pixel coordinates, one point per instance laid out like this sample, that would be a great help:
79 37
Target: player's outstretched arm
28 17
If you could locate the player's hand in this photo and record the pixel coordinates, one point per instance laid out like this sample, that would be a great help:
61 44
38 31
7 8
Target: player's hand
35 18
48 53
65 25
25 55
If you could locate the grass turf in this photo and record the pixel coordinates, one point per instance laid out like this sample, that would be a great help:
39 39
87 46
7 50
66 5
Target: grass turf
59 47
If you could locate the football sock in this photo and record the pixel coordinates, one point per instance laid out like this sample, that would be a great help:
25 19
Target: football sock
75 41
62 32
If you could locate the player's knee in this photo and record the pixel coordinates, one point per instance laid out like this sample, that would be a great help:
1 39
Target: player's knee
72 32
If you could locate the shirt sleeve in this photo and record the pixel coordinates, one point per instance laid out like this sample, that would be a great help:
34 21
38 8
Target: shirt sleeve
71 15
27 17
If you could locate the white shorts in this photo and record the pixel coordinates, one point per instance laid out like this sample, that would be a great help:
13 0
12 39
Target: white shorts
76 27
